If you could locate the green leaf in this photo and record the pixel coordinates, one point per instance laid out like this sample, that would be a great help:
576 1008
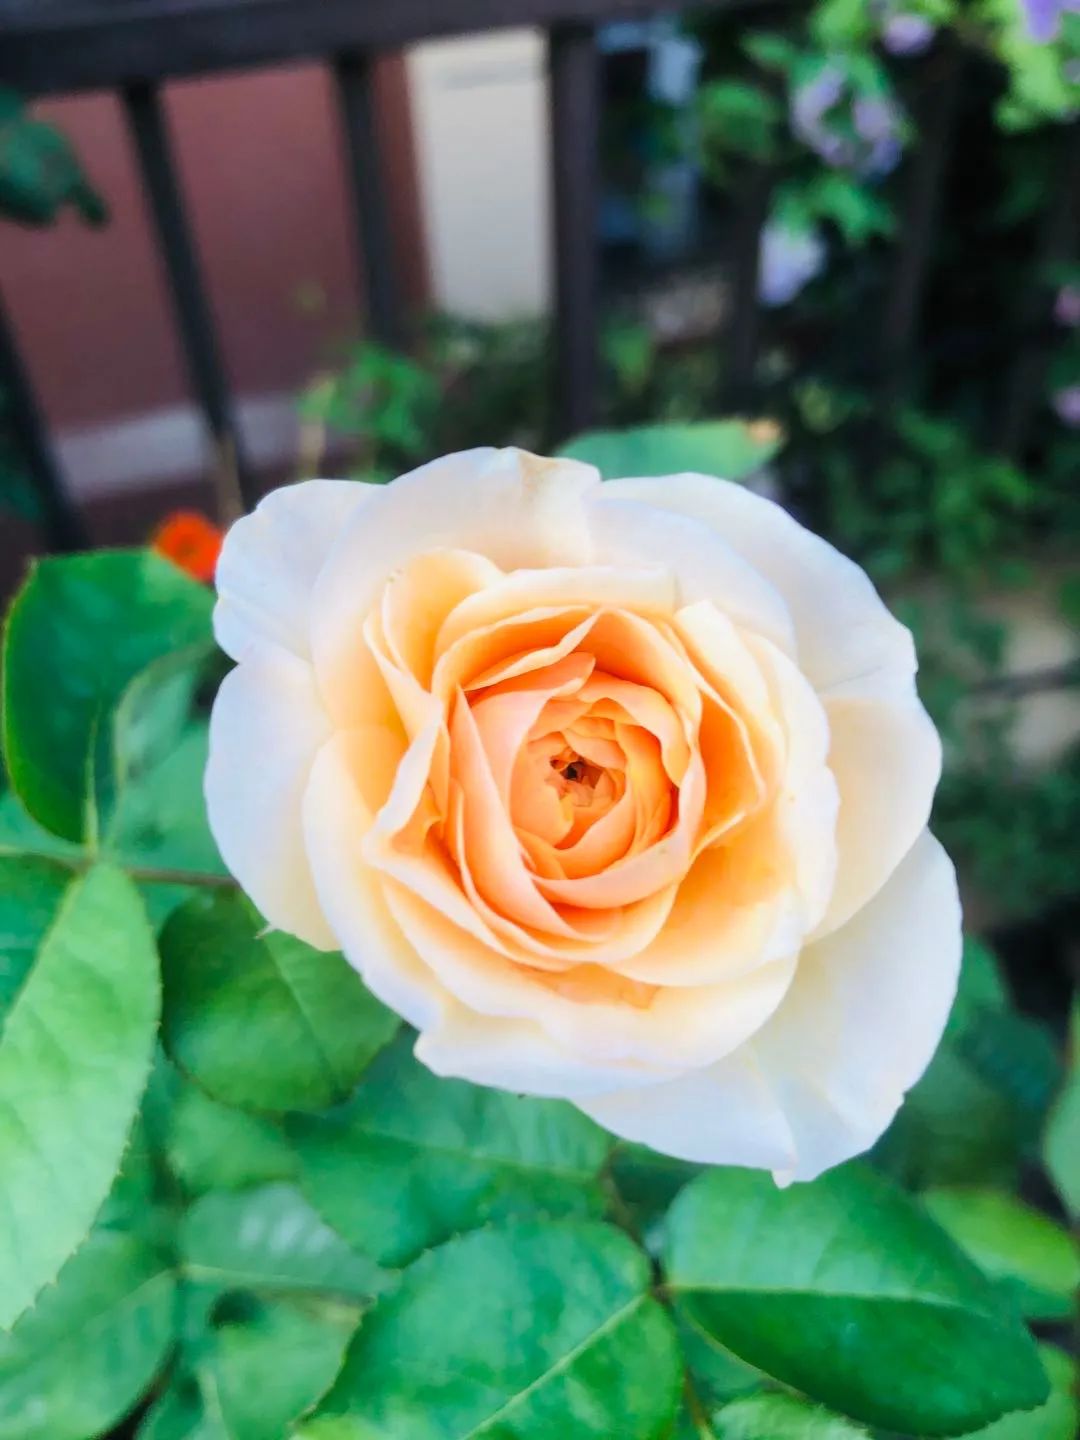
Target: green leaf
973 1115
1037 1260
527 1333
80 631
270 1368
80 1360
252 1372
1069 600
131 1204
1058 1419
774 52
847 1291
647 1182
270 1239
260 1019
412 1159
160 816
75 1052
780 1417
1061 1145
30 894
730 449
858 213
159 821
39 171
179 1415
212 1147
718 1374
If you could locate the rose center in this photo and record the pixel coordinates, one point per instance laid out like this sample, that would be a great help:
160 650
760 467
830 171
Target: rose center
574 775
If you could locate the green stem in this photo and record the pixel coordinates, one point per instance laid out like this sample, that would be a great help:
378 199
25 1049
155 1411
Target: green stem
145 874
620 1211
152 875
696 1411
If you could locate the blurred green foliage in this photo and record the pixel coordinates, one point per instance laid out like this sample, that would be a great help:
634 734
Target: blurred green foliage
40 176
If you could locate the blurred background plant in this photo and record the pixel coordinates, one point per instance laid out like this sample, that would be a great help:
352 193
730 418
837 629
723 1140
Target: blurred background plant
40 176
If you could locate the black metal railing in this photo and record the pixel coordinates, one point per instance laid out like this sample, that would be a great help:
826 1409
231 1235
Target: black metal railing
50 47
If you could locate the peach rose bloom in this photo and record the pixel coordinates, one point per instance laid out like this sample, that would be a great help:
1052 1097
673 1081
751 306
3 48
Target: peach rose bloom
616 792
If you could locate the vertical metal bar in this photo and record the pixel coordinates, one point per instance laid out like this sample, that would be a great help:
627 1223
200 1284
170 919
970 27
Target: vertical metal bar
62 524
744 327
936 117
194 319
1056 244
380 291
575 134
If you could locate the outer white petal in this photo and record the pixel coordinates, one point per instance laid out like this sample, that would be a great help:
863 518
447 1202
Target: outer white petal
265 730
337 814
269 563
519 1056
723 1115
705 564
844 633
886 757
865 1013
808 802
517 510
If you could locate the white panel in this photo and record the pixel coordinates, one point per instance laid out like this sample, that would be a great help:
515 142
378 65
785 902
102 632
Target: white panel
480 117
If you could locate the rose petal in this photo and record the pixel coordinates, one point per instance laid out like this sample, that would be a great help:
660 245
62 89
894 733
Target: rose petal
865 1013
511 507
714 932
886 757
690 1026
336 815
645 589
517 1055
269 563
265 730
418 598
725 1115
843 632
807 800
631 526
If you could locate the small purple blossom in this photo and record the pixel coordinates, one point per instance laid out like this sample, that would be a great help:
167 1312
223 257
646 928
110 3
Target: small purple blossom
788 259
1044 17
877 121
1067 404
810 105
906 34
860 133
1067 306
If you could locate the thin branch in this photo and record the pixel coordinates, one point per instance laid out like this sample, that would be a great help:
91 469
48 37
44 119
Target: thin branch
697 1412
1030 682
620 1210
152 875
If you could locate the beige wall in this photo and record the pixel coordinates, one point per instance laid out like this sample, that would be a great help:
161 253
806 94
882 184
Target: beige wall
480 121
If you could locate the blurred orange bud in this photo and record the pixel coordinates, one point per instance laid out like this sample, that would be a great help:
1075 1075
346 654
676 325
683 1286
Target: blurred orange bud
190 541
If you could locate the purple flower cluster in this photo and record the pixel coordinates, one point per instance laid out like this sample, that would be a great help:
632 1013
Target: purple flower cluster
1067 404
859 133
1067 306
788 259
1044 17
903 33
